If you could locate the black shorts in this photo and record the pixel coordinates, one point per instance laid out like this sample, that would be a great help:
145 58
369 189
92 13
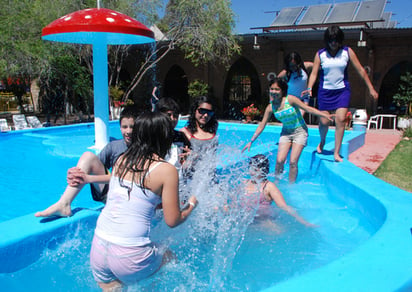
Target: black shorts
97 195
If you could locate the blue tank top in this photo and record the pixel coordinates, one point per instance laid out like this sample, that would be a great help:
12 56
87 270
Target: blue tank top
297 83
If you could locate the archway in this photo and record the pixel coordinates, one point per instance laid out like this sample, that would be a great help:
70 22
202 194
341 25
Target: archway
176 86
389 87
242 87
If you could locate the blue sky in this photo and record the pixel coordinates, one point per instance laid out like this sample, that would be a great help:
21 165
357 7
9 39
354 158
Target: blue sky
258 13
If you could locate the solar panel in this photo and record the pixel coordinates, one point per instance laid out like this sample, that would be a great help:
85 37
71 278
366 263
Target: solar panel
392 24
315 14
342 12
287 16
369 13
383 24
370 10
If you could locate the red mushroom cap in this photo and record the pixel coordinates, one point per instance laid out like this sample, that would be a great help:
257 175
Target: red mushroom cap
97 24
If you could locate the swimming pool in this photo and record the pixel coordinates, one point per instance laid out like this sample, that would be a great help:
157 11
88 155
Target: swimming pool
360 218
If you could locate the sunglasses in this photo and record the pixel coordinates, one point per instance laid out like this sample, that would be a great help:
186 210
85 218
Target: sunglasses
203 111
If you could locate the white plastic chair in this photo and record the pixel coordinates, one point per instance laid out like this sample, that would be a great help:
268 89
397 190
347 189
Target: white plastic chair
373 120
34 122
4 126
20 122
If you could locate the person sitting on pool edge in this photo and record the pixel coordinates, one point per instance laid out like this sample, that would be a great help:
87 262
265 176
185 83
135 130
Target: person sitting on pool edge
89 165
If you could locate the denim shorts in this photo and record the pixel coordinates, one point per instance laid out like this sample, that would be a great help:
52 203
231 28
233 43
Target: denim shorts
128 264
298 136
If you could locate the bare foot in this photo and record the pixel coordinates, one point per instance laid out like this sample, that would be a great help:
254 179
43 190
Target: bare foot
338 158
319 149
57 209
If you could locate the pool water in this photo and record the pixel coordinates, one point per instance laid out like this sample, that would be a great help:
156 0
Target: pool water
34 167
225 259
218 249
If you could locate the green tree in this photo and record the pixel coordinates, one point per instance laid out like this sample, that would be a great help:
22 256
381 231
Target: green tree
198 88
67 82
23 54
202 29
404 96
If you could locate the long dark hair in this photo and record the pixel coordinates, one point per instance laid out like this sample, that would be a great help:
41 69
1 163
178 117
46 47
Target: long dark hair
152 135
293 56
211 126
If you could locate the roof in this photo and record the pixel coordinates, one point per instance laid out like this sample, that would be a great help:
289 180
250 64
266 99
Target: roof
369 14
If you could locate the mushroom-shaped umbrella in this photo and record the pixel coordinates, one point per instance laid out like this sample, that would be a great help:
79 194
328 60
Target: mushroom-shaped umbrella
99 27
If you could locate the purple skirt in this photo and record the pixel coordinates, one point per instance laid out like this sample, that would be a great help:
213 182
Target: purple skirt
329 100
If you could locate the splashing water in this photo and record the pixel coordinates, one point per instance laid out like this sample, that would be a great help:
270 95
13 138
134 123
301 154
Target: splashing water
221 246
207 242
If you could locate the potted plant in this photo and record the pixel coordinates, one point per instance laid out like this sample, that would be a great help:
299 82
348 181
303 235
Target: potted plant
404 99
250 112
116 94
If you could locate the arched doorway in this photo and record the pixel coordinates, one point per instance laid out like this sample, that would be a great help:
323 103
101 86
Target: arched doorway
175 86
242 87
389 88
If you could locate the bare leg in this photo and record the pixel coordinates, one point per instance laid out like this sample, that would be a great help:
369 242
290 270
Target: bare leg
323 130
283 150
279 168
340 121
114 286
90 164
294 159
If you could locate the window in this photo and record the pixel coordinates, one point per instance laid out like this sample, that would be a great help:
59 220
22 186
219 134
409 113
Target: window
240 88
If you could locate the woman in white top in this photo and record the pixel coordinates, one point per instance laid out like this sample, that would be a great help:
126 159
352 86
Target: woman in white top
334 91
122 252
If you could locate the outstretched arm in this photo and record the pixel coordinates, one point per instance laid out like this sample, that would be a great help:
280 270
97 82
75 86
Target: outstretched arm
260 128
272 191
282 74
308 66
173 216
296 102
362 73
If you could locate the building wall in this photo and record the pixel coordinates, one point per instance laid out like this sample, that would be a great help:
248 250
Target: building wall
385 48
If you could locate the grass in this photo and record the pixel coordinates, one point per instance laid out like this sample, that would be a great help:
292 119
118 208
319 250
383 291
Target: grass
396 169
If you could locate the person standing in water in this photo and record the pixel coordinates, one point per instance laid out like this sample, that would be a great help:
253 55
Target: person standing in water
294 135
201 131
122 252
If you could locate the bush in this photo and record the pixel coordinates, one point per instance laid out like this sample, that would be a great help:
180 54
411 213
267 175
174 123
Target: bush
404 96
408 132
